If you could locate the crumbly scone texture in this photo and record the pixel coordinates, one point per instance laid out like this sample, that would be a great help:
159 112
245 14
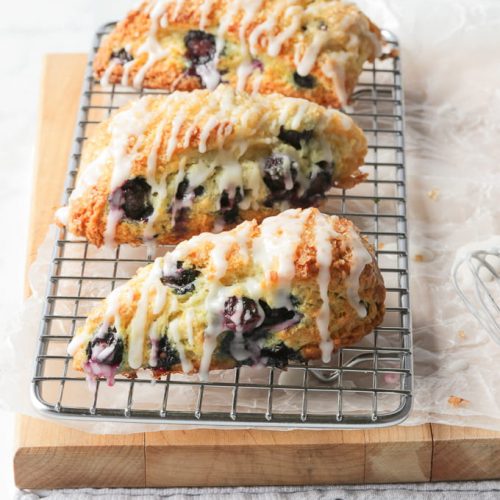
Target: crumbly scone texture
164 168
305 48
220 301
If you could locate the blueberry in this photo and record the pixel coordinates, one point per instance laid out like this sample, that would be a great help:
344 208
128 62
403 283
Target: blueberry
198 191
200 46
182 281
241 313
275 316
279 355
133 199
167 355
306 82
109 344
182 189
122 55
294 138
280 173
322 181
229 205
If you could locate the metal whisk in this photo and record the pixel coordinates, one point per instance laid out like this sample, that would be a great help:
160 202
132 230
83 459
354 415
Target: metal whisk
476 276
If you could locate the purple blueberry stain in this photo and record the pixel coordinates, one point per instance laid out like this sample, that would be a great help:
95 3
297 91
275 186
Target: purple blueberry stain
200 46
242 314
201 49
133 198
279 175
181 281
281 318
122 56
229 201
167 356
104 354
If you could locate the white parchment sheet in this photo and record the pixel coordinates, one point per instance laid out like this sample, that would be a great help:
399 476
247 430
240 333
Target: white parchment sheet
451 71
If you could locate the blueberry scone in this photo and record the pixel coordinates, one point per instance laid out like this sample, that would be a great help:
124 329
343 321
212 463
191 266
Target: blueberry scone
313 49
164 168
294 288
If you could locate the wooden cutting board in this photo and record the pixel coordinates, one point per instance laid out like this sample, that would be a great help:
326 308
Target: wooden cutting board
49 455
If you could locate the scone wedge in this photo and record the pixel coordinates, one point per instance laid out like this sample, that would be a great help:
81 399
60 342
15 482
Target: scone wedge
164 168
313 49
294 288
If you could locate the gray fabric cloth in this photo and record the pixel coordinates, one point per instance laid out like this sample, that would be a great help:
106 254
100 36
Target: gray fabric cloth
483 490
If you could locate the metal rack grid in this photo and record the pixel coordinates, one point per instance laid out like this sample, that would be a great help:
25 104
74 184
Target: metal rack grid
367 385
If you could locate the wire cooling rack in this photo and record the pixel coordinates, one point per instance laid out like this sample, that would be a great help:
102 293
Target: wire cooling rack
366 385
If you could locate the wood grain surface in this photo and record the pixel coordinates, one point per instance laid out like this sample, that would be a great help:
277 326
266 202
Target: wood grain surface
50 455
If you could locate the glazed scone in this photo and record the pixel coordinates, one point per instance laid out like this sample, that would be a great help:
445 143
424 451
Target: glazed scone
313 49
296 287
165 168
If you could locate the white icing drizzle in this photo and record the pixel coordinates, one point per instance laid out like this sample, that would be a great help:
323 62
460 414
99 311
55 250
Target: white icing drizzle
130 122
178 8
90 174
175 337
194 124
177 123
151 46
214 303
267 31
360 257
111 316
245 69
274 250
62 215
153 154
324 234
189 326
112 220
258 31
107 73
231 174
334 68
210 124
300 113
126 71
205 10
251 8
276 42
308 60
137 327
209 74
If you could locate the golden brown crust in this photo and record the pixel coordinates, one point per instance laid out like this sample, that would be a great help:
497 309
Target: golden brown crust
345 325
242 134
349 39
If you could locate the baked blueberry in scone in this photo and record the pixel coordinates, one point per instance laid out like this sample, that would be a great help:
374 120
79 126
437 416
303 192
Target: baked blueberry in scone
294 288
313 49
164 168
